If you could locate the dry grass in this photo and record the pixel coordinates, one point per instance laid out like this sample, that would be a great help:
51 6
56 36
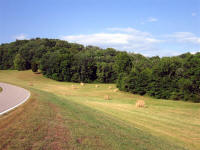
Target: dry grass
34 129
107 97
82 84
140 103
110 87
30 84
96 86
74 87
174 121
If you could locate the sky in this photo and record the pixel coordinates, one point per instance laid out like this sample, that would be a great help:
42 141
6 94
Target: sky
149 27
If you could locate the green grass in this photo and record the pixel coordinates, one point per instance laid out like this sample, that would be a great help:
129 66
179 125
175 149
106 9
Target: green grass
1 89
59 116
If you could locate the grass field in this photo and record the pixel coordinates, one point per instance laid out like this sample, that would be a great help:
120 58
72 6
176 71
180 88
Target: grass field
1 89
61 116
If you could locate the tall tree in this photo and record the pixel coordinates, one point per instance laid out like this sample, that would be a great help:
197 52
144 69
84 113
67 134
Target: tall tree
19 62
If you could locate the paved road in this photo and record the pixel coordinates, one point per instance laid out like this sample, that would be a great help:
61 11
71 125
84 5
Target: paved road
11 97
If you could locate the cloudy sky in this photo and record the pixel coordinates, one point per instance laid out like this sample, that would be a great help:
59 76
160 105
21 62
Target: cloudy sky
149 27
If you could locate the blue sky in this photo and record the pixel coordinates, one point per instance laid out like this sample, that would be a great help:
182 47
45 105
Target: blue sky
149 27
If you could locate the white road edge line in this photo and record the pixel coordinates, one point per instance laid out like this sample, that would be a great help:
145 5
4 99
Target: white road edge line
29 94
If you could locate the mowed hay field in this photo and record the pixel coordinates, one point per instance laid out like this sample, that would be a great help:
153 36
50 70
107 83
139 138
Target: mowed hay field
61 116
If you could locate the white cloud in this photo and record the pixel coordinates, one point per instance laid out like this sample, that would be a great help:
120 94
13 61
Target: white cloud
184 37
130 31
119 38
194 52
152 19
194 14
21 37
122 29
133 40
99 38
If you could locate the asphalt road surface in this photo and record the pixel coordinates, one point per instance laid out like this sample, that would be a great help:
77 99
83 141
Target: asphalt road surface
11 97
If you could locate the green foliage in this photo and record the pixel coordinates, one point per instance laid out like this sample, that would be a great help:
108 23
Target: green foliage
34 67
166 78
105 72
123 63
19 62
85 65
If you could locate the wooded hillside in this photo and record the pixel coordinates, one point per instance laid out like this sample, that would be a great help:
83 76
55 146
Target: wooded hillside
168 77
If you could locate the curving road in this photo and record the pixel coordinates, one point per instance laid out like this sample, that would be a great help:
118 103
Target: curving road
11 97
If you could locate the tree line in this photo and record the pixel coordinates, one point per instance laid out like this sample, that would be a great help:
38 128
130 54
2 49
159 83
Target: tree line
175 78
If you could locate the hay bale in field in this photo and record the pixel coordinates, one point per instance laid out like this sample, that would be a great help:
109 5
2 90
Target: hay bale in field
96 86
82 84
107 97
110 87
115 90
140 103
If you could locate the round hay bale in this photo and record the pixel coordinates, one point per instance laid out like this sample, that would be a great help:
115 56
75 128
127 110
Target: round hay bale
82 84
107 97
96 86
115 90
140 104
110 87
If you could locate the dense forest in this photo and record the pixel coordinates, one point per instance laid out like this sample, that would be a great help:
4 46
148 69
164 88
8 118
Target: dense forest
175 78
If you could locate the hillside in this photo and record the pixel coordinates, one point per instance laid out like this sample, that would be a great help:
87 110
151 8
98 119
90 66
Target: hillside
175 77
62 116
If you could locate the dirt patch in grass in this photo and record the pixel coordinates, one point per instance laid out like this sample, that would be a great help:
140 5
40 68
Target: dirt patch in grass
30 84
57 131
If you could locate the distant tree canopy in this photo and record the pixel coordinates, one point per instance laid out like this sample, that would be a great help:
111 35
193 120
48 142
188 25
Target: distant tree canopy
164 78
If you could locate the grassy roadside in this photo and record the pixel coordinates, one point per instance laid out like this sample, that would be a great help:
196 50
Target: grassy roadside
58 116
1 89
